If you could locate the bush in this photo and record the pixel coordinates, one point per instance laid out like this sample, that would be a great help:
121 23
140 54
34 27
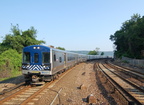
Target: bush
10 62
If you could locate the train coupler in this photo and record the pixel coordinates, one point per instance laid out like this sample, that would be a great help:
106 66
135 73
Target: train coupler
35 78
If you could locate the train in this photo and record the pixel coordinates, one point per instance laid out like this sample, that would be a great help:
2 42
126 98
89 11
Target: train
42 63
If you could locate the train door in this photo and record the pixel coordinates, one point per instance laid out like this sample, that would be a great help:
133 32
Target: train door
64 59
36 61
36 58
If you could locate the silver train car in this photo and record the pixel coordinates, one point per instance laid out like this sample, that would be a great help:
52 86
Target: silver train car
42 63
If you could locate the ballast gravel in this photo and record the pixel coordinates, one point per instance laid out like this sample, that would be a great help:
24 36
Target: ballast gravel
80 86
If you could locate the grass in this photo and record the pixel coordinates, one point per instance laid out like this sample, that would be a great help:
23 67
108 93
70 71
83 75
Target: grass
14 74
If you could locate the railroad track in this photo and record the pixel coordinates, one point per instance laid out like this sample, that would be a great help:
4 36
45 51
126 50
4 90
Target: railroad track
28 95
130 91
12 88
135 74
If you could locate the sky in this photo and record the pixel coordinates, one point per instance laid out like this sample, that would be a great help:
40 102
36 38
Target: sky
71 24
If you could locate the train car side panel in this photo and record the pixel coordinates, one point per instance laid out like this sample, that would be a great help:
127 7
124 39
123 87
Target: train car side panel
57 61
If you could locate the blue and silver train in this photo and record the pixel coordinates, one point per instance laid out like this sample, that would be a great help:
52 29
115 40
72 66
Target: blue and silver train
41 63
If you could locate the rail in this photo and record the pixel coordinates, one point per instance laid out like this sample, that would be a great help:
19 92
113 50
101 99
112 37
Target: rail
130 92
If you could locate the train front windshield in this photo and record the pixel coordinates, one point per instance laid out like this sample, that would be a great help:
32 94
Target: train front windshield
37 57
26 57
45 57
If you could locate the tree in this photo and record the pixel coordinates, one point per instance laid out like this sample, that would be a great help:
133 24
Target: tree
102 53
11 49
61 48
97 50
94 52
19 39
129 39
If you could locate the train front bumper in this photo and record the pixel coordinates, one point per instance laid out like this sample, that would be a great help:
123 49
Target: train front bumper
28 72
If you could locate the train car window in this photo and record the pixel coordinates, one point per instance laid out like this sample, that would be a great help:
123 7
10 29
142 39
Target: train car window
26 57
54 57
36 58
46 57
60 59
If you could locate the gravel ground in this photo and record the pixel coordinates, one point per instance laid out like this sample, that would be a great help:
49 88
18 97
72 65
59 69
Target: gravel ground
127 65
11 82
75 88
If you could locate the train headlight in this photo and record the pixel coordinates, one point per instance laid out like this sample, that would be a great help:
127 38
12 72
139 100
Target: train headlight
36 47
25 67
46 67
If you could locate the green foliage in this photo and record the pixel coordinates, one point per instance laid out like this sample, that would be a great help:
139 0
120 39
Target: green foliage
93 53
19 39
129 40
11 49
61 48
102 53
10 61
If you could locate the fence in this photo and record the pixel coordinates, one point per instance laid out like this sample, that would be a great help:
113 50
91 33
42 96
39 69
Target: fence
134 62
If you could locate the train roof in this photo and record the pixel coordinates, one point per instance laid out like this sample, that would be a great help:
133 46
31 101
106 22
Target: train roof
46 48
37 46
